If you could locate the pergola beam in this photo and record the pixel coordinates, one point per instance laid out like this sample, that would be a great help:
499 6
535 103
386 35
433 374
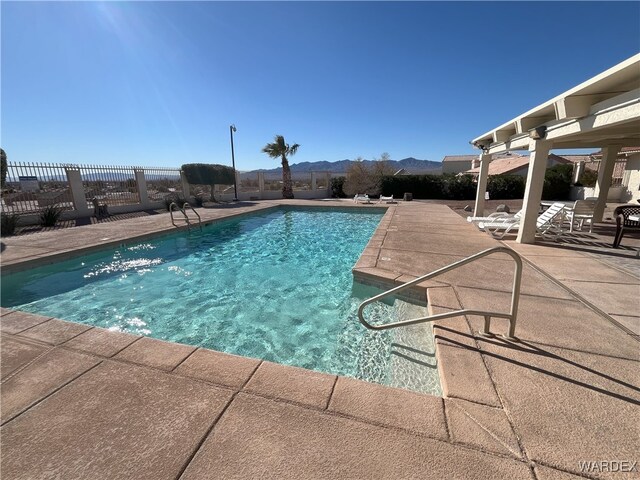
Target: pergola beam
602 112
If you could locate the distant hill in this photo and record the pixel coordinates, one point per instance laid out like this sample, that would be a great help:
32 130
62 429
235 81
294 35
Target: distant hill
411 165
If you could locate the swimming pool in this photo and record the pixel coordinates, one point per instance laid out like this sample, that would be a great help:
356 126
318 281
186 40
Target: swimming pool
275 285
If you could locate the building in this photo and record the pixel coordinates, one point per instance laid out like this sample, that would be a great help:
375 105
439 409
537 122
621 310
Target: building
514 164
457 163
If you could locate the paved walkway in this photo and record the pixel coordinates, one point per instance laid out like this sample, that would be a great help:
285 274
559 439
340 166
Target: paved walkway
81 402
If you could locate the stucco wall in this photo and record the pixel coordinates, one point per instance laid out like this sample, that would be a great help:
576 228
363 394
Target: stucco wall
456 167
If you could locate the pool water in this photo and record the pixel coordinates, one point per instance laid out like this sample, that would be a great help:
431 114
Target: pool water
275 285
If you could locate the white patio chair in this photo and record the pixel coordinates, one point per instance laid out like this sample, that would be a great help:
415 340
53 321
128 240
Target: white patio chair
496 216
386 199
581 212
361 197
546 223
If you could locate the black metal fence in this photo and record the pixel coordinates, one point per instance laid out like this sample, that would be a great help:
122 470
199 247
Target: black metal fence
30 187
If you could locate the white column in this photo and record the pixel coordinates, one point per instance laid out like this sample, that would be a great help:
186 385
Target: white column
185 186
578 171
77 192
539 155
261 184
485 160
141 185
605 172
313 181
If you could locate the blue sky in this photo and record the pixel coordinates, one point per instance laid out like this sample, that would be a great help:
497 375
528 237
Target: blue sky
158 83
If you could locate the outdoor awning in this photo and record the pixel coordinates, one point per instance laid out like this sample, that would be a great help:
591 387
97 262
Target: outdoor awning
603 110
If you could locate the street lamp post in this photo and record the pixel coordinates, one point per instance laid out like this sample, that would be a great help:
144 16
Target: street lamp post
232 128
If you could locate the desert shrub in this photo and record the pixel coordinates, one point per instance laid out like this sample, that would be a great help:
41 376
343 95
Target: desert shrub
337 187
8 224
50 215
366 177
198 201
174 198
557 182
506 187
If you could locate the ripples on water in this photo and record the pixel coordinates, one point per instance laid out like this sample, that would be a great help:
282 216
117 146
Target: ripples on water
276 286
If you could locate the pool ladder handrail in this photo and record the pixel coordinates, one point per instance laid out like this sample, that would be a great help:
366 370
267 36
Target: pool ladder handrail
182 210
486 331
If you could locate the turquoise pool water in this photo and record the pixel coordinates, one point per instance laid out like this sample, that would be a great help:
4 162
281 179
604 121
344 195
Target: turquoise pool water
275 285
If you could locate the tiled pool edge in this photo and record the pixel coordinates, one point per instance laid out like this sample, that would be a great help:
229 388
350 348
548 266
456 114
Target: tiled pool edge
47 259
20 264
470 395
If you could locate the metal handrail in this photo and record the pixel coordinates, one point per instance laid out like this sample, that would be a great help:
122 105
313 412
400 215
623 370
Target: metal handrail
486 331
171 205
187 205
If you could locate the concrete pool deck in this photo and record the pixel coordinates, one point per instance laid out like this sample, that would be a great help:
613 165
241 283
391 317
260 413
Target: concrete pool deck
82 402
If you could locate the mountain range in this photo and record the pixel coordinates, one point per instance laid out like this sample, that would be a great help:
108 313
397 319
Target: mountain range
410 164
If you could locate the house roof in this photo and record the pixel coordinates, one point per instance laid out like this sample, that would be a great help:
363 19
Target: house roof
513 163
459 158
579 158
624 151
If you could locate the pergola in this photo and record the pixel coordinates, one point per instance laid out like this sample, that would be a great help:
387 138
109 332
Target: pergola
603 112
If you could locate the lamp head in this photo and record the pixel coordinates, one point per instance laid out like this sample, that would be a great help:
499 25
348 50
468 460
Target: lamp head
233 127
538 133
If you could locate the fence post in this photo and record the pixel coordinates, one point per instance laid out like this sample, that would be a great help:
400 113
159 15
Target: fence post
77 191
313 181
141 185
261 184
185 186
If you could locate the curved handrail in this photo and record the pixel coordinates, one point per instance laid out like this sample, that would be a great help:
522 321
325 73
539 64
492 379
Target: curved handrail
188 205
171 205
515 297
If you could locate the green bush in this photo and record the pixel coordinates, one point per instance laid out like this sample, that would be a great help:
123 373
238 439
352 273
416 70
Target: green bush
337 187
3 167
208 174
50 215
459 187
588 179
421 186
8 224
557 182
506 187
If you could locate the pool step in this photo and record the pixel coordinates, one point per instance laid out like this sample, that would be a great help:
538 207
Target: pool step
412 361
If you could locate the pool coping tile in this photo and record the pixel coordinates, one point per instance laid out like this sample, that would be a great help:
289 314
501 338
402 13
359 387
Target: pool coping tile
14 321
102 342
379 404
155 353
218 367
55 331
293 384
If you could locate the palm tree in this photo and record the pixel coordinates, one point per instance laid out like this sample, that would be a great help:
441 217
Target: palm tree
280 149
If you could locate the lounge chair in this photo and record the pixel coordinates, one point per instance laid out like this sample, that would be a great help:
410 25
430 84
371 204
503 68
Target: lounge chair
496 216
361 197
581 211
386 199
544 225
